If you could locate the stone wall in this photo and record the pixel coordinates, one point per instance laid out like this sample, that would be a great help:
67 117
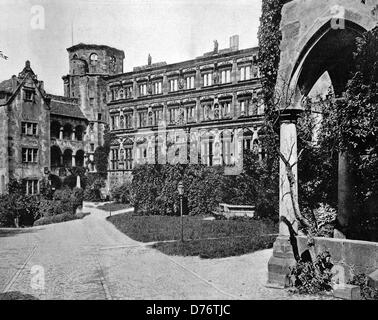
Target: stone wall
353 255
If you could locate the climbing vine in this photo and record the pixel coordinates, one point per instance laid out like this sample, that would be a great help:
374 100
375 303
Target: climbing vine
270 36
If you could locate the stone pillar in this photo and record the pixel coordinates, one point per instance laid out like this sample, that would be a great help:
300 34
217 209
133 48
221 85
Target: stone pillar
345 194
61 133
198 110
234 73
73 135
283 254
73 161
235 107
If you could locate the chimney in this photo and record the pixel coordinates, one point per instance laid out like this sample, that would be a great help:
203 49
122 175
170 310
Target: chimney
234 42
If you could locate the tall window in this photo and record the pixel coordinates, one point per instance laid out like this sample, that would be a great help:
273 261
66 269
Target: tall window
158 87
114 120
29 129
226 76
29 155
128 120
31 187
113 94
225 109
143 89
207 79
142 119
191 111
129 158
158 116
245 73
190 82
114 159
244 107
173 85
172 115
129 92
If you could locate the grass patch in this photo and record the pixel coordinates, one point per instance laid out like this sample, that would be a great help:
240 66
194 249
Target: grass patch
216 248
114 206
207 239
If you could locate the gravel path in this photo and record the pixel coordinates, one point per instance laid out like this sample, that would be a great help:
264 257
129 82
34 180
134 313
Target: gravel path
91 259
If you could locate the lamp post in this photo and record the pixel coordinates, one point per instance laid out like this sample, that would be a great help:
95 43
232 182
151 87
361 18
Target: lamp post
180 189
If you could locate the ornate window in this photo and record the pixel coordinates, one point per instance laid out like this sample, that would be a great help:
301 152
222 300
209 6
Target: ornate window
225 108
114 159
191 113
142 119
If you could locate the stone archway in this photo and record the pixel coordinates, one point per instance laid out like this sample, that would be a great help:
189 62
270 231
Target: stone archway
317 37
67 158
56 157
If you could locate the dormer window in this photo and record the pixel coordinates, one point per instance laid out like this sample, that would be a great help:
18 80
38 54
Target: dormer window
29 94
93 59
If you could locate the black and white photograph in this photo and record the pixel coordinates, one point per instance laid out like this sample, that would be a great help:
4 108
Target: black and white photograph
189 153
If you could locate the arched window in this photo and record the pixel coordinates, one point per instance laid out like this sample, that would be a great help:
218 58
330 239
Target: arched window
93 58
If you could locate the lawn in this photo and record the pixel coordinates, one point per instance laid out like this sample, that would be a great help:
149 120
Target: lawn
204 238
114 206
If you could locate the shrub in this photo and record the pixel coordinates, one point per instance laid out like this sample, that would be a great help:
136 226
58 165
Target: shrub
121 194
78 197
312 277
93 191
18 210
46 190
55 219
367 292
49 208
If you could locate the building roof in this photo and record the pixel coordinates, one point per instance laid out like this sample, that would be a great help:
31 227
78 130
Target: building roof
6 86
94 46
206 58
66 107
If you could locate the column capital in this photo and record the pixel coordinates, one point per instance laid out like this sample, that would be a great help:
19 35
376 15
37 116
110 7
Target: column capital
290 115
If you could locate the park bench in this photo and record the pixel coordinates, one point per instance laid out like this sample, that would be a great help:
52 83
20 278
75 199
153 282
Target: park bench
231 210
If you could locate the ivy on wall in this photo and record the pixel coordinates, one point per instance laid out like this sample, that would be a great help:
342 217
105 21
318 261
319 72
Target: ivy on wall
269 36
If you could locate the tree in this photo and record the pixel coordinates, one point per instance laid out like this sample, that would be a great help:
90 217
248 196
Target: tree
101 153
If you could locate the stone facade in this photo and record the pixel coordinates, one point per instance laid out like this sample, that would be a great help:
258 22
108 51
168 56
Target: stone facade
203 110
317 37
206 109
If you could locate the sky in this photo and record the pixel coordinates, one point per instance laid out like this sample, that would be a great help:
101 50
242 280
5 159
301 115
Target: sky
170 30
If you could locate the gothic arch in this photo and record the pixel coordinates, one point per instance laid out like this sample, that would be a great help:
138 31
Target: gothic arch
328 50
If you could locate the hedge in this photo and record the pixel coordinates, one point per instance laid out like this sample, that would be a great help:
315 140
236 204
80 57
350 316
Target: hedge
153 190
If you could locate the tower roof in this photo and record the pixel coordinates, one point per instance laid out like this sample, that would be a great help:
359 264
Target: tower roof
95 47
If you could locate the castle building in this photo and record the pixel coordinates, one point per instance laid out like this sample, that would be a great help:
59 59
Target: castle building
205 110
